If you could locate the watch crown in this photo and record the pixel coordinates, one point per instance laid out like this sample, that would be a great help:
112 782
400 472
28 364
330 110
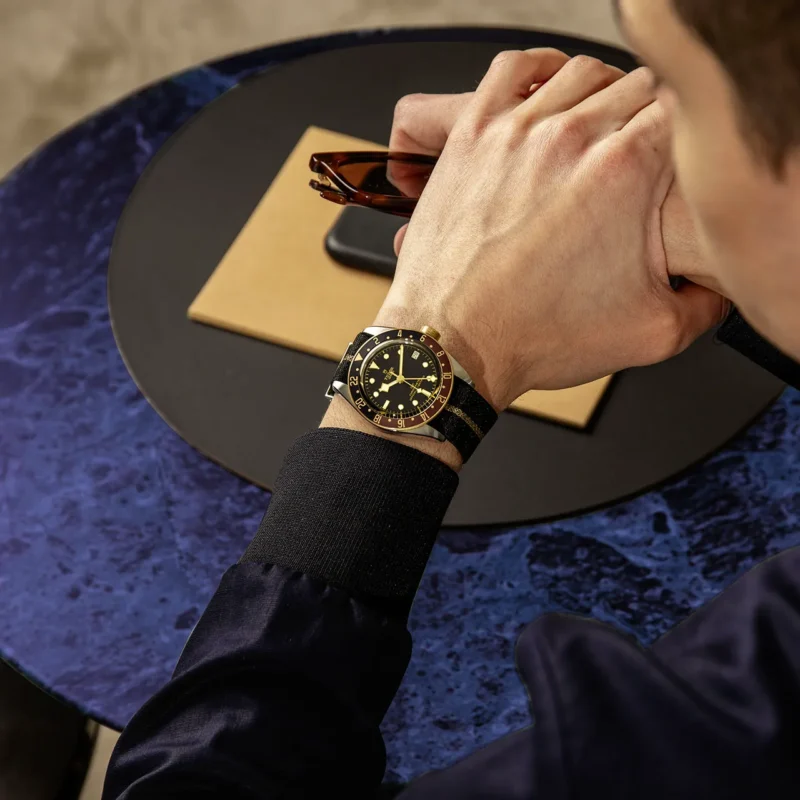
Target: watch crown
432 332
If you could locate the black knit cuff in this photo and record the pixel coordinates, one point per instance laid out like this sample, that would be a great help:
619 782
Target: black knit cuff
356 510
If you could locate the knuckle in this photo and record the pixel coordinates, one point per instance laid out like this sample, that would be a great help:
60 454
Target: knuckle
548 52
642 74
471 126
587 65
570 128
465 135
511 132
508 58
616 161
407 106
626 152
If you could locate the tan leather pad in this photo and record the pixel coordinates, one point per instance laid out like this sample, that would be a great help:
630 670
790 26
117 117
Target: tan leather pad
277 283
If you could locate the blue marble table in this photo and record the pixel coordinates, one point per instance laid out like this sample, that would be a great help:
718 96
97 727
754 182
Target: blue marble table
114 532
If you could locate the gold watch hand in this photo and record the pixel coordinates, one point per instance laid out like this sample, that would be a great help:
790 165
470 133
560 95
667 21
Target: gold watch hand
400 370
386 386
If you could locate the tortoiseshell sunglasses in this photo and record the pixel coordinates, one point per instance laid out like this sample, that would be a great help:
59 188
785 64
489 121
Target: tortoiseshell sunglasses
388 182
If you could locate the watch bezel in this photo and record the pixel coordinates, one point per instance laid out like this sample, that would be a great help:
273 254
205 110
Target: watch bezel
399 336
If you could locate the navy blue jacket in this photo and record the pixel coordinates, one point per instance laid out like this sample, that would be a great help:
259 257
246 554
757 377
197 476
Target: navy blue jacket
284 682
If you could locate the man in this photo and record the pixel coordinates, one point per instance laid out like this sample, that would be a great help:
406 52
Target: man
542 251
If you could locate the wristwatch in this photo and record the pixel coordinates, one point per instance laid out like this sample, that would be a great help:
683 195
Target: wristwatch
405 382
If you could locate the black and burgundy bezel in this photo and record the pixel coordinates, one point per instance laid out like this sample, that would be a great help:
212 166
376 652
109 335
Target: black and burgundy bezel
399 336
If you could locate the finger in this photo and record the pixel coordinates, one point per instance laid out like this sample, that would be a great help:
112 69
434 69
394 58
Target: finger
699 310
653 120
399 238
508 82
649 134
408 177
612 108
422 122
579 78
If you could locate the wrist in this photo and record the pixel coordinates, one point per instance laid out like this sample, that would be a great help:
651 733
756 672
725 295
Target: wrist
342 415
491 376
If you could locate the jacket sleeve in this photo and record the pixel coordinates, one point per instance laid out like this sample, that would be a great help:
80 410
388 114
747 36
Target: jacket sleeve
710 710
282 686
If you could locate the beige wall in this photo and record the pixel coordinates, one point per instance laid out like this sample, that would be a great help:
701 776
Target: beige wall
62 59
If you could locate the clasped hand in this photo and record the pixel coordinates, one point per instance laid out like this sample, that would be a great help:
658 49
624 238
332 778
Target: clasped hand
537 247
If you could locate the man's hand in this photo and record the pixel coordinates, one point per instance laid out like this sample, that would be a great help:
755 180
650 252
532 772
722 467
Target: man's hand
423 123
685 256
537 246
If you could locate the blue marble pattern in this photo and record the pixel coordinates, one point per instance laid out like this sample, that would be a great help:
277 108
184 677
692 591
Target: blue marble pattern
114 532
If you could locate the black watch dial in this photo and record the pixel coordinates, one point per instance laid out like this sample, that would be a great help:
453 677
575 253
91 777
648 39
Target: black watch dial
401 379
401 382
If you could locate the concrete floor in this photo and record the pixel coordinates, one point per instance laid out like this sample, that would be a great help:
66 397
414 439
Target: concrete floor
60 61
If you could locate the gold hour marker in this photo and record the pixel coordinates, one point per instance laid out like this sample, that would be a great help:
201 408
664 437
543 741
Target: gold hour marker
372 380
386 405
416 402
373 365
386 356
424 364
375 394
400 406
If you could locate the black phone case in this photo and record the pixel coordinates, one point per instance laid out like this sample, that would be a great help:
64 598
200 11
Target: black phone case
364 239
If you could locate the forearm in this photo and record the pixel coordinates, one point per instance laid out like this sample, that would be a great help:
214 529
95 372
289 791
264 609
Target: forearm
343 416
279 693
284 682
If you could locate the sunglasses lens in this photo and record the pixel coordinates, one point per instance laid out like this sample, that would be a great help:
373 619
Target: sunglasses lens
392 178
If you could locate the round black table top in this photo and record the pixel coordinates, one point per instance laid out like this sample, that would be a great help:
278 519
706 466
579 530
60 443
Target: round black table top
114 532
243 401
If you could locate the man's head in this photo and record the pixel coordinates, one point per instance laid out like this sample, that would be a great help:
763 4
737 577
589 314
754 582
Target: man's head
730 72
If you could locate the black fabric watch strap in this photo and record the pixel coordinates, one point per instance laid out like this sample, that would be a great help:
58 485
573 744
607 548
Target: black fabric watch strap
466 419
737 333
347 359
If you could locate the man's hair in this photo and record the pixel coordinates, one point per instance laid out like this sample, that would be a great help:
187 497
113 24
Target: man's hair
758 43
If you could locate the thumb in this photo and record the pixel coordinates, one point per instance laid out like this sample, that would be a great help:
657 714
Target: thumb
399 238
682 245
699 310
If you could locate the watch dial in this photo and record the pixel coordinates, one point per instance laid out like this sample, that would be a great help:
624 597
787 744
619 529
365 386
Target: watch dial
401 379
